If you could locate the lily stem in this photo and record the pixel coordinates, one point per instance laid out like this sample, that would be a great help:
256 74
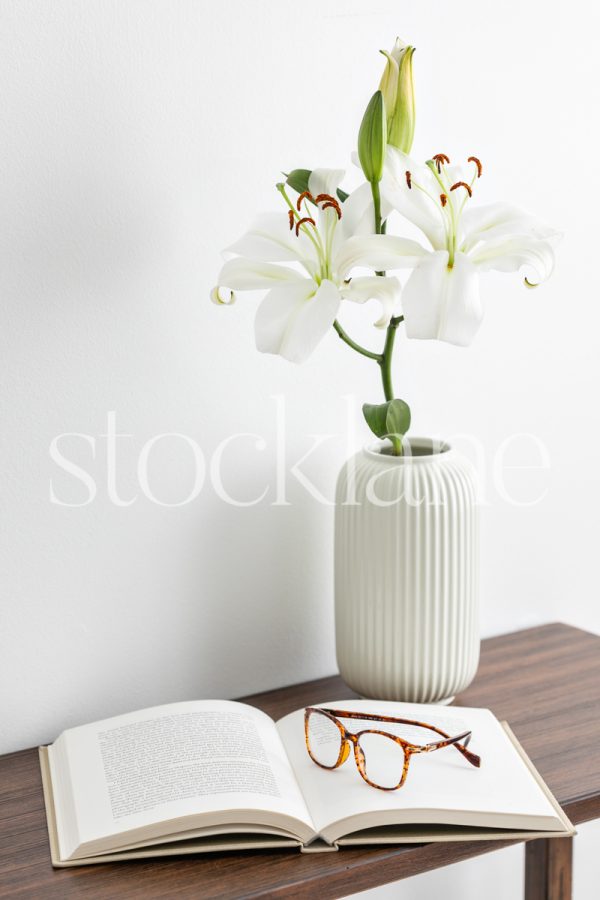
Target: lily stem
376 205
348 340
385 361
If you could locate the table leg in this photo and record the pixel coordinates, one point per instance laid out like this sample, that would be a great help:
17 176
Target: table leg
549 869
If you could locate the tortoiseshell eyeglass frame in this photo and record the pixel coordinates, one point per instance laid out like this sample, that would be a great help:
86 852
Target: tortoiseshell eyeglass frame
460 741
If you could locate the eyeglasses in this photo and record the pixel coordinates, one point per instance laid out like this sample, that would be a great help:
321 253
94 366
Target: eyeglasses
381 758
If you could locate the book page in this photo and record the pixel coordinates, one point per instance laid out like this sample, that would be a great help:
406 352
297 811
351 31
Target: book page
120 780
441 787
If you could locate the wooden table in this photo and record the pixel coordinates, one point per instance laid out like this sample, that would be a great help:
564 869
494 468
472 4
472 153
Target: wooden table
545 681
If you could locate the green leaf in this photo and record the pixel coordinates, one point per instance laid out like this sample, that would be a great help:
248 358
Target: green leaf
376 416
298 179
388 420
397 420
372 139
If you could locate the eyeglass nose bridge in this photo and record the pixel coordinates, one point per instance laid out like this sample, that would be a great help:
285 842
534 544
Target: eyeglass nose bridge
351 739
345 753
359 756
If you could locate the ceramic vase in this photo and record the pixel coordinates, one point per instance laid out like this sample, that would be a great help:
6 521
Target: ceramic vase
406 572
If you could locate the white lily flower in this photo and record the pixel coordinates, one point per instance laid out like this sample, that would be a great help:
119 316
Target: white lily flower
324 241
441 297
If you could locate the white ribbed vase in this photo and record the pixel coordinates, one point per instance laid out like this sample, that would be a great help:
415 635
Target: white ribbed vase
406 573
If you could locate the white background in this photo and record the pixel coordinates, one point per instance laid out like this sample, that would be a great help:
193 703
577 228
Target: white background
136 140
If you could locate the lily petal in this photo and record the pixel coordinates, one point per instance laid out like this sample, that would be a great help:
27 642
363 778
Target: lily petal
325 181
358 217
386 290
293 319
419 204
495 220
377 251
441 303
241 274
509 254
460 198
270 239
219 300
358 214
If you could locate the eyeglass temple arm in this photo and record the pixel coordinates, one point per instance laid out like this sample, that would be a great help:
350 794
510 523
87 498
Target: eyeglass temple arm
456 741
461 742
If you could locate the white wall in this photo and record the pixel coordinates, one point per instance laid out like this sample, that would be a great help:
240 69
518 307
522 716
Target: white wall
137 140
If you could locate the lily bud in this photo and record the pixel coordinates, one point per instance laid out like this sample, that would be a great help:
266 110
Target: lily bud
399 97
372 139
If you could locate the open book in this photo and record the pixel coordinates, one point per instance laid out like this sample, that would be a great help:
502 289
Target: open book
220 775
